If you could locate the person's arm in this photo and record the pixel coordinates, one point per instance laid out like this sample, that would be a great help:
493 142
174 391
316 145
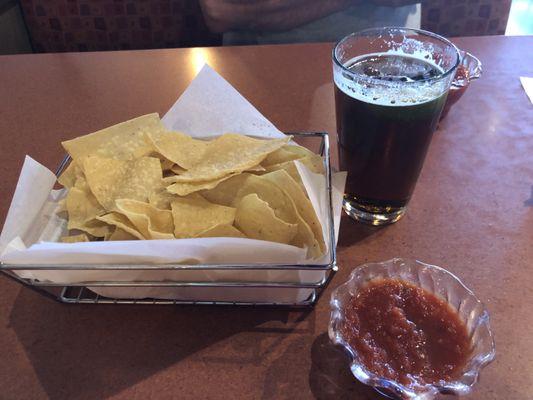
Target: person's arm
267 15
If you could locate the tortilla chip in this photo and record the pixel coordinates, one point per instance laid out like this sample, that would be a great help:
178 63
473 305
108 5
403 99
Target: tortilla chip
257 220
82 237
185 188
70 174
289 153
151 222
225 192
284 159
194 214
314 163
120 234
117 190
257 168
94 227
299 151
177 147
279 156
228 154
122 222
166 165
161 199
284 208
177 169
124 141
303 205
111 179
222 231
82 208
290 168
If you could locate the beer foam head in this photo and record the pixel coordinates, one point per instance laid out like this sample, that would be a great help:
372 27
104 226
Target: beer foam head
391 79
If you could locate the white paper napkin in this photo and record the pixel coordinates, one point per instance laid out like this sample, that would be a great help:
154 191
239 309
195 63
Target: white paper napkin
527 84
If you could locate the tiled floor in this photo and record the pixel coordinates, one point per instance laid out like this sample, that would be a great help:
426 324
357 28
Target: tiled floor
520 18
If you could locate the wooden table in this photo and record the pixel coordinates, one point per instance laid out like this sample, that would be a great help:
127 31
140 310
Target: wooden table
472 212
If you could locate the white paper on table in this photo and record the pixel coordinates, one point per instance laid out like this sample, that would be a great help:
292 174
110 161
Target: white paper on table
207 108
527 84
217 107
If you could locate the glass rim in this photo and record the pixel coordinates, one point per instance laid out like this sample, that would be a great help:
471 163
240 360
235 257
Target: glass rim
398 28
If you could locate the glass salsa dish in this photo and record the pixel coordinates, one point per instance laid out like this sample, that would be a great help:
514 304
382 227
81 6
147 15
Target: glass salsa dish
434 281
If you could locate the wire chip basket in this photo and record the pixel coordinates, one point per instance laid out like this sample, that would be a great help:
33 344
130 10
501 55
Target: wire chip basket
301 287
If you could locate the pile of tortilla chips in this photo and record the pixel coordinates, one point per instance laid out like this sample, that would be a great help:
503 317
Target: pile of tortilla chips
136 180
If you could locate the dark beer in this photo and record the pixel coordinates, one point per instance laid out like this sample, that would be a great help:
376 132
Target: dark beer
384 131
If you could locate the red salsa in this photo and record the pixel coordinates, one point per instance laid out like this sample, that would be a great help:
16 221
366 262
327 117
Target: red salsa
405 333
